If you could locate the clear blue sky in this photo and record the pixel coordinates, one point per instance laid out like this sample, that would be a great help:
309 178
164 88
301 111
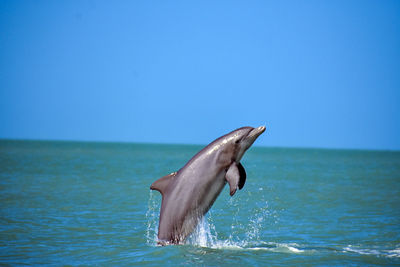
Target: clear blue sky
317 73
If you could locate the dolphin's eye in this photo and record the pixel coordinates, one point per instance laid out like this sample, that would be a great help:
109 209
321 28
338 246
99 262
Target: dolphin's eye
237 141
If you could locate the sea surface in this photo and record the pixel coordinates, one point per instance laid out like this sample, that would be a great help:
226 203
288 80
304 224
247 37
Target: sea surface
77 203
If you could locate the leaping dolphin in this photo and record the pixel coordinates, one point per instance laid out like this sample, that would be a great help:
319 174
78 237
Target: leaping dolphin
190 192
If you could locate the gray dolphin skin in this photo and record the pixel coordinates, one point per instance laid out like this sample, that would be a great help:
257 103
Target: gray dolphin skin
190 192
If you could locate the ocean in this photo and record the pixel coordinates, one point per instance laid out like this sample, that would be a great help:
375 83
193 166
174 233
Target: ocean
83 203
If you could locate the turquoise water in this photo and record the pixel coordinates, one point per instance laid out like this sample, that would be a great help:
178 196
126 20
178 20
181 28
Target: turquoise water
89 203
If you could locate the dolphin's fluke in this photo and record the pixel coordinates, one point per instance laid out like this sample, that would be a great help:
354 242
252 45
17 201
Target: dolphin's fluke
161 184
242 174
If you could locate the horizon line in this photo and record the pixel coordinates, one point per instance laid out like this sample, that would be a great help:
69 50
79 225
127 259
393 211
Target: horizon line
192 144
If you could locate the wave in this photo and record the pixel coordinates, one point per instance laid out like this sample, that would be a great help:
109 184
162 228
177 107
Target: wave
390 253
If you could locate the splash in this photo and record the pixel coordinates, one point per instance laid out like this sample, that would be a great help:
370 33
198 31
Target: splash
241 235
152 219
205 235
257 220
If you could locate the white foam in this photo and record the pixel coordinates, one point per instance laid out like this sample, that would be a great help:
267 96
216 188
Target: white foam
361 251
366 251
394 253
276 247
295 250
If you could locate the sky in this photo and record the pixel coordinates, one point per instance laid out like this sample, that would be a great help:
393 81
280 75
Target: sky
320 74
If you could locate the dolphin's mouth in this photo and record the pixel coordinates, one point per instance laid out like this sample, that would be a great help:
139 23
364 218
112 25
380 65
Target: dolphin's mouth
256 132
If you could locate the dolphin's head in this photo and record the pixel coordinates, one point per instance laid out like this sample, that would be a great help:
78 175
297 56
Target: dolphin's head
235 143
245 138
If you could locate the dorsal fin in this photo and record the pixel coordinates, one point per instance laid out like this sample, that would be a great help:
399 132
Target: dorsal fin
242 174
161 184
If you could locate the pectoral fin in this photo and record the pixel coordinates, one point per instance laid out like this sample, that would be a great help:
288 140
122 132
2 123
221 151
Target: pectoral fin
161 184
242 174
236 177
232 176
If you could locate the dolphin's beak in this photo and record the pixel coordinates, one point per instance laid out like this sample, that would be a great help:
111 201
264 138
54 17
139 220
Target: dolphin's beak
256 132
249 140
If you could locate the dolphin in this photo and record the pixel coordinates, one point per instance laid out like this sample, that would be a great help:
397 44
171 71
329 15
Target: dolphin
189 193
